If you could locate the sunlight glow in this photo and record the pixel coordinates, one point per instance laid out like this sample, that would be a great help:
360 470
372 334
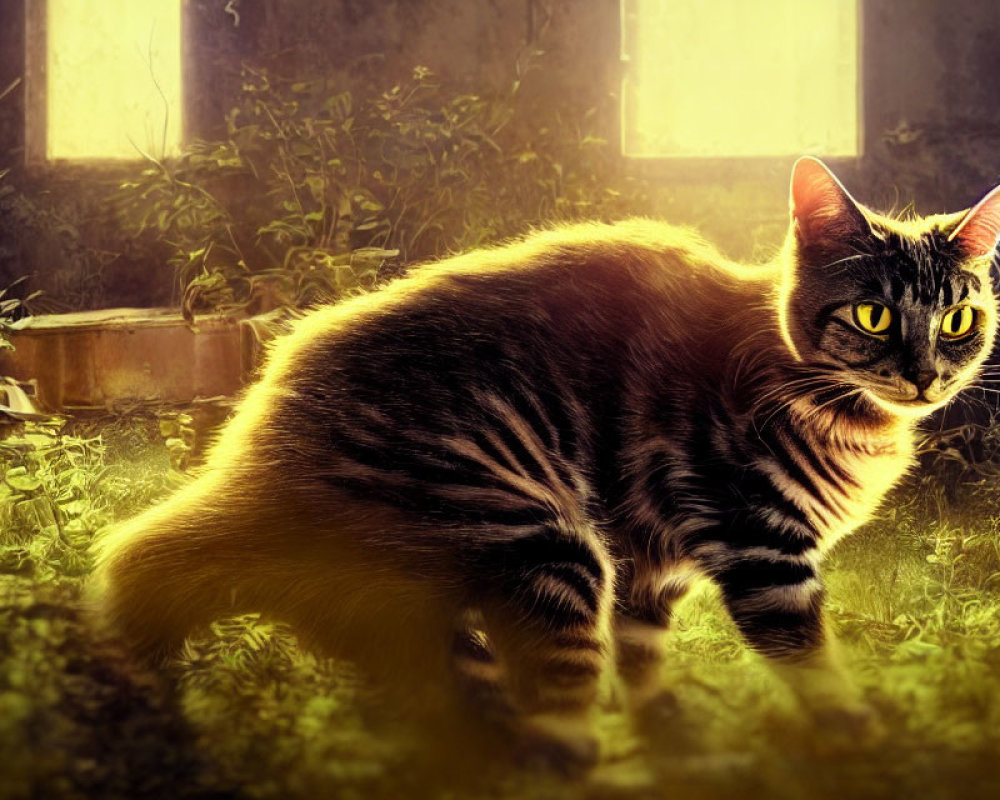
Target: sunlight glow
721 78
114 78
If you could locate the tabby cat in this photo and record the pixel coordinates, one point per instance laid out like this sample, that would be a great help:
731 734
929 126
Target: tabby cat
503 471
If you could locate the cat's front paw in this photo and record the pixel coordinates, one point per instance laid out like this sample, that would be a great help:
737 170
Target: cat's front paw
554 742
658 712
855 723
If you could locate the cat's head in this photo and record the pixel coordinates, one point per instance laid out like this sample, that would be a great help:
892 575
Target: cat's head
902 311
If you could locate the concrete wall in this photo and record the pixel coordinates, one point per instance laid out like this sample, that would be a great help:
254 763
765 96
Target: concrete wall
931 91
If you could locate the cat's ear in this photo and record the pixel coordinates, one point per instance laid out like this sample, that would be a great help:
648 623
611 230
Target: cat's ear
822 210
979 229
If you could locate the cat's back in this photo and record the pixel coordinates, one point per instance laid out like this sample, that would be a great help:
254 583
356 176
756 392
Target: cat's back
583 287
544 330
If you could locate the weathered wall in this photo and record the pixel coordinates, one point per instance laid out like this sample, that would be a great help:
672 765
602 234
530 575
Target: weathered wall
931 121
932 108
931 93
474 42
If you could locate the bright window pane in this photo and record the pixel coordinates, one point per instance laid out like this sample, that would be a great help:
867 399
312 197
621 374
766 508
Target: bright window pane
724 78
114 78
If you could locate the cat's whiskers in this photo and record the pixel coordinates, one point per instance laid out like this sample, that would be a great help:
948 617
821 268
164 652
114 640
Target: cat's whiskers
808 386
806 383
988 389
786 403
967 398
856 257
852 391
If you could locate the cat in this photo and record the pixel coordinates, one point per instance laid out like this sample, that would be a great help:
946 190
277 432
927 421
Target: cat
503 471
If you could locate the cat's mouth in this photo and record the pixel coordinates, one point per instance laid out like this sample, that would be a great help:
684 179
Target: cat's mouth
912 403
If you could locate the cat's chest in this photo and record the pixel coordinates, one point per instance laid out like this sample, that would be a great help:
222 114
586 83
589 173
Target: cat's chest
842 481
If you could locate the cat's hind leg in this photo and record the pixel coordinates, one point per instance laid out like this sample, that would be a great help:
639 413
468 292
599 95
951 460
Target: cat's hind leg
547 607
224 544
478 671
643 616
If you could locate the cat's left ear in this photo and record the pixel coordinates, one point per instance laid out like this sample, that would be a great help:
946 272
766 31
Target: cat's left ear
979 229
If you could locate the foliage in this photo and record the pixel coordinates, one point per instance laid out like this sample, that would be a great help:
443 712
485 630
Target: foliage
59 488
320 189
962 455
915 596
179 435
9 309
46 516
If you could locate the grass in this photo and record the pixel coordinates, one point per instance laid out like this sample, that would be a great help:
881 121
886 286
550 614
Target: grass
915 597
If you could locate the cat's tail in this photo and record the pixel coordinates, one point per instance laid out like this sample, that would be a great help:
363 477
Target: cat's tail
167 571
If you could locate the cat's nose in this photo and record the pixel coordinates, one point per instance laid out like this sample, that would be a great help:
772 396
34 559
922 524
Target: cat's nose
922 379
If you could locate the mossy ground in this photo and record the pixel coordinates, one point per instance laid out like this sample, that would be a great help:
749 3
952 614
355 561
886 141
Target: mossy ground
915 597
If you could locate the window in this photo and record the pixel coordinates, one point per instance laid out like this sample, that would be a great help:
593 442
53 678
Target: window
731 78
104 79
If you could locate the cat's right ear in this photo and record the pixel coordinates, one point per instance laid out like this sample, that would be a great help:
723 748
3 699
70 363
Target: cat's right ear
822 210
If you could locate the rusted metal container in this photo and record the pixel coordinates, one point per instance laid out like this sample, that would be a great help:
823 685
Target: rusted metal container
113 358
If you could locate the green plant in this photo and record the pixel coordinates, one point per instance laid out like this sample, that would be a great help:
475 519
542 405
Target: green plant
179 434
319 190
47 516
9 308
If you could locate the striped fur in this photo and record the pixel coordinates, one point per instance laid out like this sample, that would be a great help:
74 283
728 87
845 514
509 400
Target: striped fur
515 462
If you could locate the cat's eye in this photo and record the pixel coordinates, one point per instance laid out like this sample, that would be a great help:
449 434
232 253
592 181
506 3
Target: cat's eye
873 318
958 322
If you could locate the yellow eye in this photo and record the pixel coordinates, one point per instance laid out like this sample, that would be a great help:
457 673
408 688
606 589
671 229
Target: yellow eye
958 322
872 318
